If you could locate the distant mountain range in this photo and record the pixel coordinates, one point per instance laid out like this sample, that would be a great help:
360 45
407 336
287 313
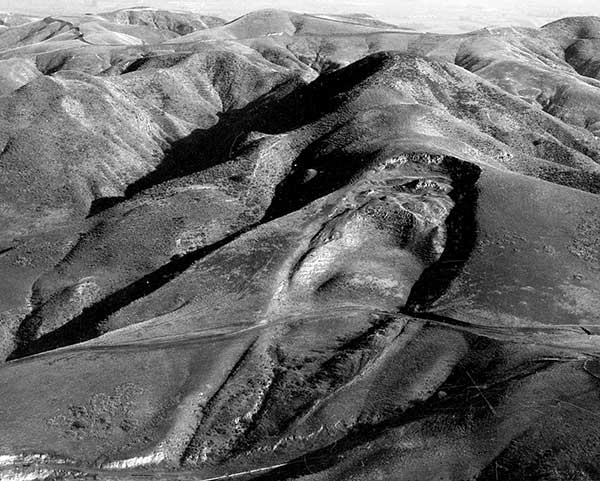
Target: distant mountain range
451 16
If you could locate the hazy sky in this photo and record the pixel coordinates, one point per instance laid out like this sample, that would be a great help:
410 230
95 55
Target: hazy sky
426 12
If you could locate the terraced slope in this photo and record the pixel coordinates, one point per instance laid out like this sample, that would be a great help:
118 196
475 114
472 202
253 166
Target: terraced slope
297 247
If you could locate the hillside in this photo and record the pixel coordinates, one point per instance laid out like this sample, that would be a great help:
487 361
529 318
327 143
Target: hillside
296 246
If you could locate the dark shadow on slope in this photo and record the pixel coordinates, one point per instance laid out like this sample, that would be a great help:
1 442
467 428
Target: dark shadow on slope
88 324
286 108
6 250
103 203
332 172
199 151
325 94
461 240
205 148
